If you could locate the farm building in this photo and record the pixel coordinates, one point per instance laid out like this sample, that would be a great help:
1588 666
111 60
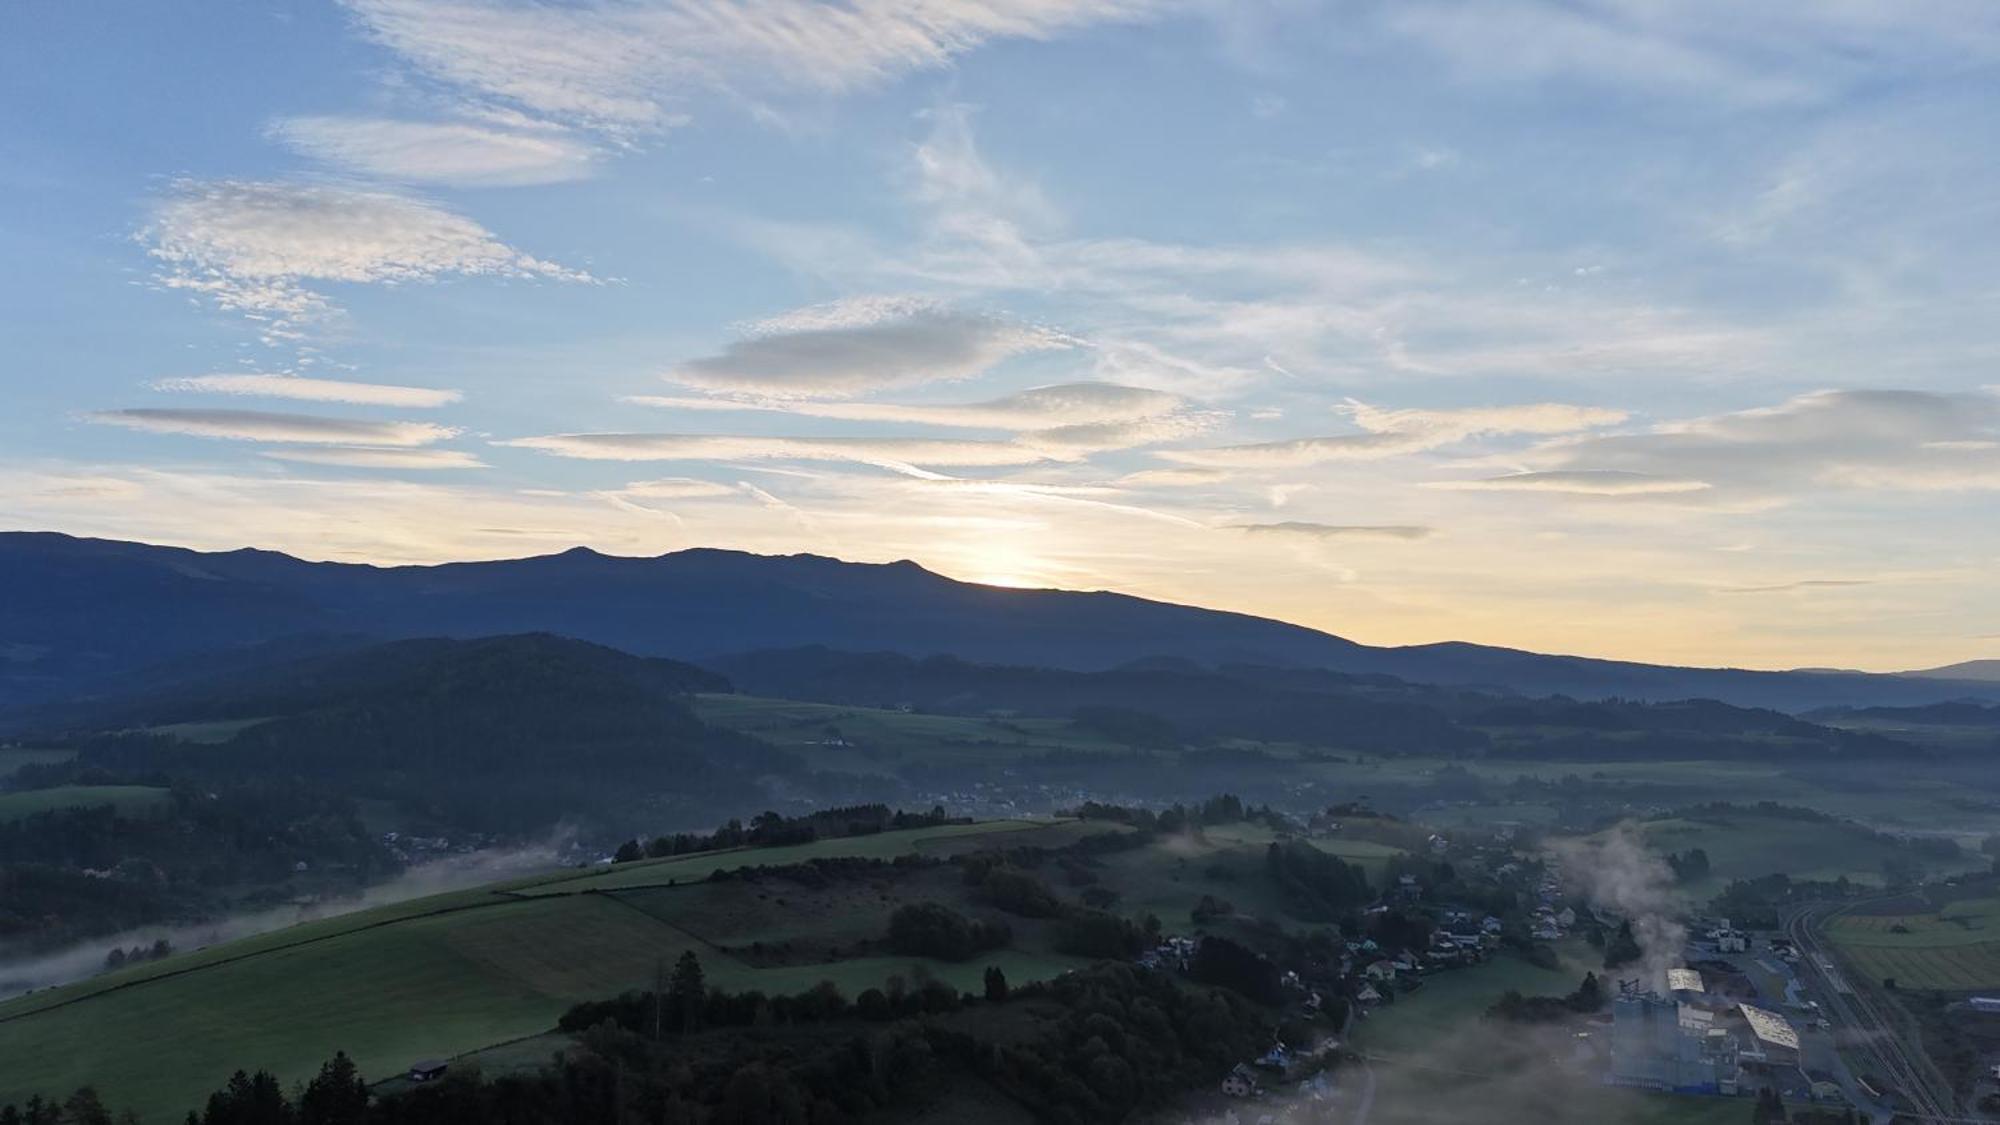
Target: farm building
1685 984
428 1070
1987 1004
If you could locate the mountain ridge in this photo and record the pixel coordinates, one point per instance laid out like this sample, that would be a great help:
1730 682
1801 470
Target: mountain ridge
76 614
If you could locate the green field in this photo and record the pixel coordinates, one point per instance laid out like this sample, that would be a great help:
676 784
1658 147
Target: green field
1415 1021
11 760
879 740
1955 948
453 973
129 800
1744 843
213 732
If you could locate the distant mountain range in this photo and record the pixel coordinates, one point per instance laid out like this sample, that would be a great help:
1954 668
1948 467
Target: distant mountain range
1984 671
88 616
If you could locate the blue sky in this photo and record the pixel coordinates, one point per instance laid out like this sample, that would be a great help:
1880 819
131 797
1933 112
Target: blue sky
1661 331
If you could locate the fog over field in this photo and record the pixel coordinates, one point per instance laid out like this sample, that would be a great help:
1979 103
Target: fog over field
452 873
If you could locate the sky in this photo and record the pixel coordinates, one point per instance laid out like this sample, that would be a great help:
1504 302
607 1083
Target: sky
1658 331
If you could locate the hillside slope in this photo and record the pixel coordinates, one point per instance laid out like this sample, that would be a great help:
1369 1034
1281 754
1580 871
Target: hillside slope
78 614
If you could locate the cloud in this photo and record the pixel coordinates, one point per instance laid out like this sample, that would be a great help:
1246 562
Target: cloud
1768 54
312 390
623 68
1172 478
1792 587
676 488
254 246
257 425
457 153
1393 433
1602 482
367 457
1338 531
1863 440
860 346
898 454
1038 408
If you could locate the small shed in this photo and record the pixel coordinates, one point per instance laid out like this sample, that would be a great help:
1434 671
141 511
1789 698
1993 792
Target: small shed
428 1070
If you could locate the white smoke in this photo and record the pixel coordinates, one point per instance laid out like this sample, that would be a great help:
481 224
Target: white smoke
449 873
1617 872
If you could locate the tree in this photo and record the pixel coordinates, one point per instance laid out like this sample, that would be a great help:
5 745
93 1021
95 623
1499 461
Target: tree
689 990
337 1096
1623 948
85 1108
628 851
996 984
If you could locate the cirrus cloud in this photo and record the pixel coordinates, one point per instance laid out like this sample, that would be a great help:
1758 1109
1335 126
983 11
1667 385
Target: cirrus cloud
1582 482
863 345
1848 439
311 390
258 425
898 454
622 68
257 247
369 457
459 153
1338 531
1393 433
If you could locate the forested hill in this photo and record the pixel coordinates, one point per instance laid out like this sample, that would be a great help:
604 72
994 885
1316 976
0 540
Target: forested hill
502 734
83 616
1163 702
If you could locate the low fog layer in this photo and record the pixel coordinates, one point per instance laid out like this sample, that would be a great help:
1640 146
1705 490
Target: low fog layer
451 873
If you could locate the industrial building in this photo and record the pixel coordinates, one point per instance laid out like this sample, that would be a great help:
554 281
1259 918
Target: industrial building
1658 1044
1772 1042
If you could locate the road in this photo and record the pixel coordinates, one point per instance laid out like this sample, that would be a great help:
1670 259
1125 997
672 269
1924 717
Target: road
1873 1032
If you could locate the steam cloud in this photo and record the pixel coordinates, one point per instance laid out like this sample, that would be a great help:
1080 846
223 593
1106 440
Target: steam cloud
1617 871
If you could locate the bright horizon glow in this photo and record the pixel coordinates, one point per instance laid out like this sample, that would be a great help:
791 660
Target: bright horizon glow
1570 325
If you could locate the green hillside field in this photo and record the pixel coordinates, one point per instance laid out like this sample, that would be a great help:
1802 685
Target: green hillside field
1954 948
449 974
129 800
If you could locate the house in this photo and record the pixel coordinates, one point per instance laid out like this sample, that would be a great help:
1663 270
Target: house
1380 970
1490 925
1278 1058
428 1070
1566 917
1368 995
1240 1083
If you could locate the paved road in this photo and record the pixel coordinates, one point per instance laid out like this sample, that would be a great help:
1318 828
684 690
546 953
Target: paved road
1880 1042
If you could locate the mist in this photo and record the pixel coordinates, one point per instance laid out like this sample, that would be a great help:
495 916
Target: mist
448 873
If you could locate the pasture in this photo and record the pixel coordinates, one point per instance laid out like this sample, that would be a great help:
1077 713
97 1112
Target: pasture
129 800
865 740
1954 948
453 973
1746 843
14 759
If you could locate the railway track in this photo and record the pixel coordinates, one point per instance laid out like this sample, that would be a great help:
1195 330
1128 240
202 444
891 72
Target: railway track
1928 1098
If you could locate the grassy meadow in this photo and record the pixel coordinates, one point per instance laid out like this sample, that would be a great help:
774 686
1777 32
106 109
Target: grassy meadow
129 800
1954 948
